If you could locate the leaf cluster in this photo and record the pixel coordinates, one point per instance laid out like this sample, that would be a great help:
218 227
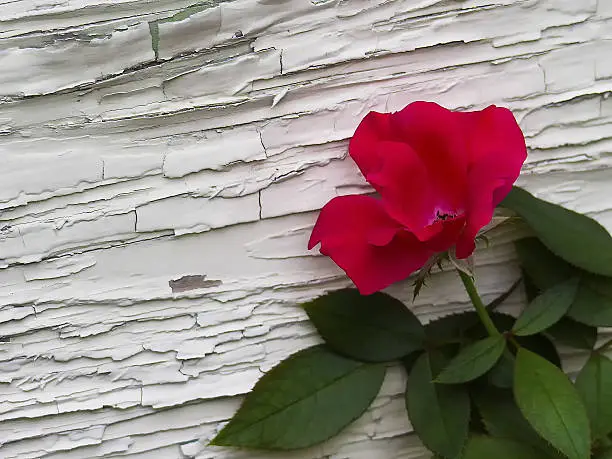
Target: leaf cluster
469 394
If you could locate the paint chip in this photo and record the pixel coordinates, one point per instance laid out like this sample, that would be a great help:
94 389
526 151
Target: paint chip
192 282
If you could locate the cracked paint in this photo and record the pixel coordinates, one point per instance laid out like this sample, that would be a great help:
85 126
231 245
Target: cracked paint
163 163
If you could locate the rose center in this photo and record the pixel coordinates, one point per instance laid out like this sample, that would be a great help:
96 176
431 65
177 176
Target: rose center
442 216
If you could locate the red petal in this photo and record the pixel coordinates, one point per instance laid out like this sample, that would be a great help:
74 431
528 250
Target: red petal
416 160
436 135
373 250
447 237
493 133
497 153
405 187
363 147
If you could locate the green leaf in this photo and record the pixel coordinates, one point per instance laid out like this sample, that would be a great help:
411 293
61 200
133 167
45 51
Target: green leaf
531 290
502 418
373 328
542 346
473 361
481 447
539 343
594 384
546 309
551 404
465 326
574 334
440 414
451 328
306 399
503 322
501 375
543 267
409 361
593 302
576 238
606 454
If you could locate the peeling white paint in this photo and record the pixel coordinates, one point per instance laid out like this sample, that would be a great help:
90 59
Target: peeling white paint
154 211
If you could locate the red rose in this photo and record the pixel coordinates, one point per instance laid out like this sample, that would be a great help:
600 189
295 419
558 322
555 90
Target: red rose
439 175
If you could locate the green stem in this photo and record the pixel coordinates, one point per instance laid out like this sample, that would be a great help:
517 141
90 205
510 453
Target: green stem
470 288
513 340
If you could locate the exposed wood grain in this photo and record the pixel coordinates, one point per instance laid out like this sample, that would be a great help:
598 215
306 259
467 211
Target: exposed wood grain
162 165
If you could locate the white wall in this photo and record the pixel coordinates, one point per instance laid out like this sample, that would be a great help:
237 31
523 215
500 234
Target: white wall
122 173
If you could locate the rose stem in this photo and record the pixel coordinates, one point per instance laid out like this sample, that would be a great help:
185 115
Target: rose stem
470 288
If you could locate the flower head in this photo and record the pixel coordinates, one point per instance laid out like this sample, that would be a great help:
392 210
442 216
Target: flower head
440 174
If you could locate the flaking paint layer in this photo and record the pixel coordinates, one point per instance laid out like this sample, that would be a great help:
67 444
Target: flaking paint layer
162 165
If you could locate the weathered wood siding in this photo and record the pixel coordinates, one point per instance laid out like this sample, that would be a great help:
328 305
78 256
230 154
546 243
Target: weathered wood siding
161 165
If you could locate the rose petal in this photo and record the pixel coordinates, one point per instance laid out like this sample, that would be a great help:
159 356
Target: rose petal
352 229
363 147
447 237
416 160
480 212
436 135
426 161
405 187
494 132
497 152
353 217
